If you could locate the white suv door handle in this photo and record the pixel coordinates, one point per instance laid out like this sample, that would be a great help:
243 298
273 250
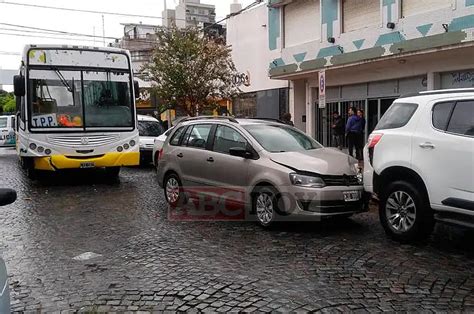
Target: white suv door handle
427 145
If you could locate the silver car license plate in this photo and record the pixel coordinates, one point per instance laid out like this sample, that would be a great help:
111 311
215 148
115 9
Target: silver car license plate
351 196
87 165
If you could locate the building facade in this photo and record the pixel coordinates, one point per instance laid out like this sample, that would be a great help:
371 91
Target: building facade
372 51
140 40
247 35
189 13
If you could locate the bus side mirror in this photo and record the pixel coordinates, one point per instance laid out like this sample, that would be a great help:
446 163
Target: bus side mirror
136 87
19 85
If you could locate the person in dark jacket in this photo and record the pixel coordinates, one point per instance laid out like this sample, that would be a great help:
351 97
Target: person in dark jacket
361 139
338 130
354 129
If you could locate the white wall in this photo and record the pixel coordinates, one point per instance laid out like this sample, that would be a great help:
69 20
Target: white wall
180 15
247 34
414 7
360 14
301 22
6 76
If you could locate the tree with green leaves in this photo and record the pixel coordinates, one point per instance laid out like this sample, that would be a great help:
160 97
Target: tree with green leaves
7 102
191 72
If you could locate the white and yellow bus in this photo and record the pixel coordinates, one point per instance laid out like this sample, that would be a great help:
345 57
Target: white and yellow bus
76 109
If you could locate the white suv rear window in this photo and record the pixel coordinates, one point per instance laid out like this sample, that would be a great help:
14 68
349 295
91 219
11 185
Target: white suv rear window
397 116
462 119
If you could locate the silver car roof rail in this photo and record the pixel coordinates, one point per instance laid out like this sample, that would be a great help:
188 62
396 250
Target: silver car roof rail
231 119
269 119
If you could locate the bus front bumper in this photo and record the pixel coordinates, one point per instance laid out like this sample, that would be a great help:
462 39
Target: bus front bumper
58 162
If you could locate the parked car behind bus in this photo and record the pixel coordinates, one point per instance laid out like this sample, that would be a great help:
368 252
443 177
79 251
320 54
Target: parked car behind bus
149 129
7 131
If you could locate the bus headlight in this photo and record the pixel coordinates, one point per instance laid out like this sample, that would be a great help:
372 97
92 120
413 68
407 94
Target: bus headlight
133 143
120 149
47 151
126 146
33 146
40 149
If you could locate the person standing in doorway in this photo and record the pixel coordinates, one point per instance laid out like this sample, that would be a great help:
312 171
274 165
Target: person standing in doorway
286 118
361 139
338 130
353 130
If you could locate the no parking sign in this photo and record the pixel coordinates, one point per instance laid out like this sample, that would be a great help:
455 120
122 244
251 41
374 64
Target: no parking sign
322 89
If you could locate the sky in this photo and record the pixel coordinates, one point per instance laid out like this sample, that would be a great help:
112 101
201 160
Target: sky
84 23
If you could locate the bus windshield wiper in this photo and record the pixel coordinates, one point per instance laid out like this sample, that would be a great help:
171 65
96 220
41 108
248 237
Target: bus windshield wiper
63 80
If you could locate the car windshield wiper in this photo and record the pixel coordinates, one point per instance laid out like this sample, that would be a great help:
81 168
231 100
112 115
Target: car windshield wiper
63 80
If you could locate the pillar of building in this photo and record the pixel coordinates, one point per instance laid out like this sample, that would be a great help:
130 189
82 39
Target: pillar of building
297 103
310 111
433 81
391 11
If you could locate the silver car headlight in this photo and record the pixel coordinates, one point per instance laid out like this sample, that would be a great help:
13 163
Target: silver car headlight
307 181
359 175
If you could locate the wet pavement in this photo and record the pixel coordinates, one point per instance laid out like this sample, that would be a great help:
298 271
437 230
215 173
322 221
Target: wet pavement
81 243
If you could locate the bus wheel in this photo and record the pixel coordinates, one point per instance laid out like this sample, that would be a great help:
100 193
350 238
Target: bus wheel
28 164
112 172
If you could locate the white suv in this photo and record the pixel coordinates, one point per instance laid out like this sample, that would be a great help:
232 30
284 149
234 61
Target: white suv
420 163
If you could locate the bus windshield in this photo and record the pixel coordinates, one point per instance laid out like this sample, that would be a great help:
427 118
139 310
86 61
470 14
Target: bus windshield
80 99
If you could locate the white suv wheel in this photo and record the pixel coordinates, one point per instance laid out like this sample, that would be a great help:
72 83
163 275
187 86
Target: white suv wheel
400 210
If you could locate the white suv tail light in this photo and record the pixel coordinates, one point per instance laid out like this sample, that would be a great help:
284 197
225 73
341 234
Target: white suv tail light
374 139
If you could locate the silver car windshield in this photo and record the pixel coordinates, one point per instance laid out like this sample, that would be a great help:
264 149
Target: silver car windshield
281 138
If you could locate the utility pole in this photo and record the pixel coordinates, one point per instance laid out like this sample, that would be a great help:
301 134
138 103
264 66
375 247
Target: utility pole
103 29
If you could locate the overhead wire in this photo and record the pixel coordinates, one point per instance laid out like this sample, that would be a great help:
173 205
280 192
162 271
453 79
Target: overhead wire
51 31
58 32
81 10
50 37
10 53
253 4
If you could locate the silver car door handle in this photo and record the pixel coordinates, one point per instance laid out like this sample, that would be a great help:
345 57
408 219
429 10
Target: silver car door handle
427 145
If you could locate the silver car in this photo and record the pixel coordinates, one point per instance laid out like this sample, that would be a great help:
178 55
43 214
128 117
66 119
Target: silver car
275 170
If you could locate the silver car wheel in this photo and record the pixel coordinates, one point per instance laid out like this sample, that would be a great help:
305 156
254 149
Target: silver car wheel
400 211
264 208
172 190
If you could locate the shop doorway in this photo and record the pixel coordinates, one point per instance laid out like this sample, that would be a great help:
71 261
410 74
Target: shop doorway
324 119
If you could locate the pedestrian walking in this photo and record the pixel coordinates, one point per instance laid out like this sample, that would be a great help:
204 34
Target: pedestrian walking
338 130
286 118
354 128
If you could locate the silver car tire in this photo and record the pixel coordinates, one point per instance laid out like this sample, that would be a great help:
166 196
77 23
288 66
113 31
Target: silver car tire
173 189
265 206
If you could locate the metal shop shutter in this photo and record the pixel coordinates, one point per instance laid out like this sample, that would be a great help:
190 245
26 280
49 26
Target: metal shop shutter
414 7
301 22
358 14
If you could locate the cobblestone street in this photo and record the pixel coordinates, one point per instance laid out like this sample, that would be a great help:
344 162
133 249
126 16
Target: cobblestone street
146 262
